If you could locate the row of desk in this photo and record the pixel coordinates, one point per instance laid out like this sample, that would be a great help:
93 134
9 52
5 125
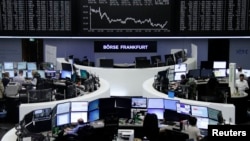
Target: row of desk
123 82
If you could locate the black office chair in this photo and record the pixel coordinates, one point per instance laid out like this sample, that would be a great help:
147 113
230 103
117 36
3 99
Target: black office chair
43 95
86 133
71 91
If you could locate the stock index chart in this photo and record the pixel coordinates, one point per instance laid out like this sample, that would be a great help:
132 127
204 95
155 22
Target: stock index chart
126 17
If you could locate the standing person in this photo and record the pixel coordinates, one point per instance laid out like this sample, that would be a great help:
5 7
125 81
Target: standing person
237 76
192 130
241 84
1 90
19 78
184 80
6 79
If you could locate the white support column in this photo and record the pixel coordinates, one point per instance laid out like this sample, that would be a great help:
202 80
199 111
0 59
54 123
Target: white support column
231 78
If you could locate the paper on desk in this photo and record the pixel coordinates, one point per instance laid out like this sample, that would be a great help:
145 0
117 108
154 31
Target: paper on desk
27 139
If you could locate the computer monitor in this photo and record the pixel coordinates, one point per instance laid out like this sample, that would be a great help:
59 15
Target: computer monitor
29 74
84 74
180 67
220 73
213 114
62 119
42 73
94 115
179 57
50 73
219 65
93 105
196 73
79 106
11 73
74 116
199 111
63 108
66 74
155 59
107 63
140 58
137 102
158 112
177 75
156 103
122 102
66 67
47 66
31 66
171 77
246 72
170 104
206 65
142 63
206 73
202 123
21 65
1 75
41 114
212 122
8 65
1 67
169 59
183 108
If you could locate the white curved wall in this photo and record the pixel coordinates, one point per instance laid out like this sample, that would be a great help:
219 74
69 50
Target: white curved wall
228 110
126 81
102 92
10 135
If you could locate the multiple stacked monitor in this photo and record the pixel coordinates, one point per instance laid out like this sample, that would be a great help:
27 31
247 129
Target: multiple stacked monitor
67 113
218 68
46 70
27 67
154 61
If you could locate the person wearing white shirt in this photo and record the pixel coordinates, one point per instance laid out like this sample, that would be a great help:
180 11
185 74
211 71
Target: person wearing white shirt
237 75
241 84
192 130
19 78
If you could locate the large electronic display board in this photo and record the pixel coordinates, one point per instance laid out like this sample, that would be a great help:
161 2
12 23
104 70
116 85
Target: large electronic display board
124 18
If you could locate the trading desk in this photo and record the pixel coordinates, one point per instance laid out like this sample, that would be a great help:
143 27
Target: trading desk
126 81
102 92
228 110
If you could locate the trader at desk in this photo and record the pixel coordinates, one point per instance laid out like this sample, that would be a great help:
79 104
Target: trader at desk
241 84
80 123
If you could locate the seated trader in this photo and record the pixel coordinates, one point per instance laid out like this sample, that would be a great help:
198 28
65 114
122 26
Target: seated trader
80 123
19 78
241 84
192 130
35 76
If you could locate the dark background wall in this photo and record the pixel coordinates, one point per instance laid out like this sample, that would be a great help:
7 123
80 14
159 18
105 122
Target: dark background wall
11 49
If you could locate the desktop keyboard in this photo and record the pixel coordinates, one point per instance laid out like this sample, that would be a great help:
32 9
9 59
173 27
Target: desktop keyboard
201 81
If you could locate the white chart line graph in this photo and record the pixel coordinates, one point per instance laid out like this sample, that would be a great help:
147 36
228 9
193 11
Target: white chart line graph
104 15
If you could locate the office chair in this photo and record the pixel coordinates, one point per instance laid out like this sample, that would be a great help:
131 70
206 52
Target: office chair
39 95
12 89
71 91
